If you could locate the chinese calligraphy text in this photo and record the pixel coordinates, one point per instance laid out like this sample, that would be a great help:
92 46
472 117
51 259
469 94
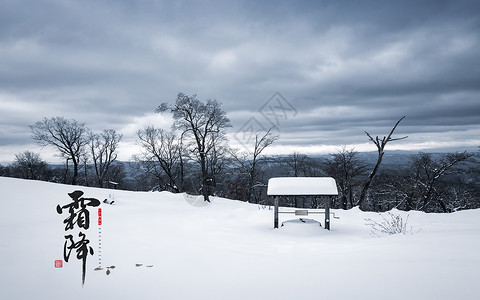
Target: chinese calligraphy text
78 217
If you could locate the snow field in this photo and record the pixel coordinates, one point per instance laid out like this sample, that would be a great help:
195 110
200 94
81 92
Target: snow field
228 250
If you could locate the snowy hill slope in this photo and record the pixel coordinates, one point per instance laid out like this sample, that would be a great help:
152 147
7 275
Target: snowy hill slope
227 250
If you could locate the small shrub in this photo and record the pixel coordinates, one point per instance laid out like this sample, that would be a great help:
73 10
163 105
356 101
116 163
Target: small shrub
394 224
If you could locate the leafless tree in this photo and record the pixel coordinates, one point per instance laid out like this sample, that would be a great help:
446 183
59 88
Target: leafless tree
29 165
203 123
5 171
68 136
116 173
103 149
248 160
217 162
161 156
427 175
298 163
85 159
346 168
380 143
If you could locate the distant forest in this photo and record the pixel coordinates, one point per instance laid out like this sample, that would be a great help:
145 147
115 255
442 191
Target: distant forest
422 181
194 157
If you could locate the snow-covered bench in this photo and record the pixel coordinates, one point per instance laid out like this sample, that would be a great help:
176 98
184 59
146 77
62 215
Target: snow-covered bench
303 186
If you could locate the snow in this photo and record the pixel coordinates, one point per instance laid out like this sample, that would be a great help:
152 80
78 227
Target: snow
302 186
228 250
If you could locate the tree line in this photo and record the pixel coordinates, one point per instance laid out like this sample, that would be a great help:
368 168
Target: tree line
194 157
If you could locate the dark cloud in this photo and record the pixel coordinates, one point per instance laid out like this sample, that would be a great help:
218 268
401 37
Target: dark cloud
346 66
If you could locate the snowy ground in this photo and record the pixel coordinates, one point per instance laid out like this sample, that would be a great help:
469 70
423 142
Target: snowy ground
228 250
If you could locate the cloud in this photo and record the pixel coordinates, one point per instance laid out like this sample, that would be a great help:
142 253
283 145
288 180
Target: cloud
346 66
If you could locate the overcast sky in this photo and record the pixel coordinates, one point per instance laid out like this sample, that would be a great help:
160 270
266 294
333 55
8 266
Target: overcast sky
340 68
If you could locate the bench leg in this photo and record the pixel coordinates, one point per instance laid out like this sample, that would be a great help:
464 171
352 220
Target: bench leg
327 213
275 213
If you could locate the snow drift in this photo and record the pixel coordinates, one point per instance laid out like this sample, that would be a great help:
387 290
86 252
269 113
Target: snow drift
171 246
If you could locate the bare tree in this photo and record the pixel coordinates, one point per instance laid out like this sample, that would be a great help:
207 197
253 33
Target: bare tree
298 162
380 143
428 172
103 148
29 165
161 156
203 123
299 166
116 173
84 159
69 136
248 161
346 168
5 171
217 162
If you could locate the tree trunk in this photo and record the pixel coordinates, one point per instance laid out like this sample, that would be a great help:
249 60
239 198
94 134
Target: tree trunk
65 176
182 183
251 180
344 201
204 178
75 172
380 143
363 195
